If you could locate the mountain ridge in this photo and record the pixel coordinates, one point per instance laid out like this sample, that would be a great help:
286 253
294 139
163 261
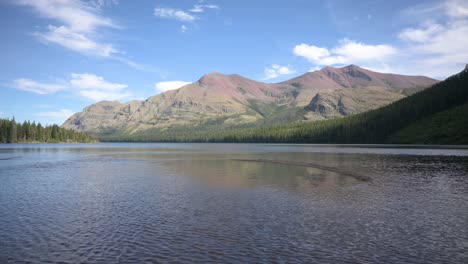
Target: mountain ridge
239 100
436 115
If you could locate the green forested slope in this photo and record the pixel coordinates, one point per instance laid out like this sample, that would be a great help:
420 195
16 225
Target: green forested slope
447 127
394 123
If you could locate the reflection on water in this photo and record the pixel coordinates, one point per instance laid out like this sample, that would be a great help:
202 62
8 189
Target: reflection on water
201 203
235 174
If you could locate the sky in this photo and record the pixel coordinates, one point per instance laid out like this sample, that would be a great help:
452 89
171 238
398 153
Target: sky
59 56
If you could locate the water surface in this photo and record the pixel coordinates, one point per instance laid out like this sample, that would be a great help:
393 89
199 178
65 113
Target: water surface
123 203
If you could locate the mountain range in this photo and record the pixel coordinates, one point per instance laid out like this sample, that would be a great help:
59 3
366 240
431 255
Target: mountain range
435 115
233 100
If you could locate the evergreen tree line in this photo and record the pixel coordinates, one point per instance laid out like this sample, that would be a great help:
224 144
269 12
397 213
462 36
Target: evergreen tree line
13 132
376 126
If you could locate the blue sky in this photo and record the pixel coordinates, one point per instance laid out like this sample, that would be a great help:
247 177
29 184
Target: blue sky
59 56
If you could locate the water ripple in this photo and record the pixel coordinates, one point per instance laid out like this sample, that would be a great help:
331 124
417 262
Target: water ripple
96 206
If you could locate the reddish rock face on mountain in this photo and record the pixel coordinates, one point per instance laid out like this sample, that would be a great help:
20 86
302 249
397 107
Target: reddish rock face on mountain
330 92
330 79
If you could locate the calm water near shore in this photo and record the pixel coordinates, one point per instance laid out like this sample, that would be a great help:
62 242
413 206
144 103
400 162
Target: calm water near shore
146 203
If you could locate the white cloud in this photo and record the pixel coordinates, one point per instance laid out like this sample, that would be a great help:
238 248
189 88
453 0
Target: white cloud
171 85
276 70
190 15
197 9
78 28
421 34
202 8
434 47
86 85
171 13
103 3
37 87
350 52
80 22
447 38
76 41
86 81
456 8
55 117
96 88
347 52
440 39
77 15
310 52
438 48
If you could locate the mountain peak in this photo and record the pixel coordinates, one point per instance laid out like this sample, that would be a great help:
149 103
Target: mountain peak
220 79
352 67
213 74
327 68
348 67
211 78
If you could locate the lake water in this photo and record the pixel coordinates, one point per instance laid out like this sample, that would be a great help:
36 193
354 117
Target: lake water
146 203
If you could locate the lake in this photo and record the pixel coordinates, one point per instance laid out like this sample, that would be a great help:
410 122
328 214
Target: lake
236 203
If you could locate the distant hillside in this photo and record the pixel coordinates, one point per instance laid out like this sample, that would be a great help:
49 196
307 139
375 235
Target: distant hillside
435 115
232 100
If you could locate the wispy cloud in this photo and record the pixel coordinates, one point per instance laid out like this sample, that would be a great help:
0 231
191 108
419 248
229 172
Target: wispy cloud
97 88
86 81
456 8
275 71
79 25
422 33
87 85
435 44
103 3
172 13
201 8
140 66
438 46
37 87
77 15
170 85
76 41
188 16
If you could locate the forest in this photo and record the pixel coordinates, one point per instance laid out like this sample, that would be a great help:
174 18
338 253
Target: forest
27 132
388 124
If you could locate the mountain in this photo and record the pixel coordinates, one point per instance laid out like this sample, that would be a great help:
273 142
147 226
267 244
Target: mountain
436 115
330 79
353 90
232 100
343 102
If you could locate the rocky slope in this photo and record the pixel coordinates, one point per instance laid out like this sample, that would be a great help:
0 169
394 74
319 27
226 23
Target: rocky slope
345 102
233 99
